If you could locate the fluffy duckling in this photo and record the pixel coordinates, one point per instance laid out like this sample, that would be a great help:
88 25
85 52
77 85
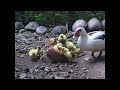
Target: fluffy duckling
54 41
58 48
34 53
62 38
69 45
76 50
67 53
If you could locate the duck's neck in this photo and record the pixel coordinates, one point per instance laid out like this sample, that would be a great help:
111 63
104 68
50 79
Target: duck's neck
83 33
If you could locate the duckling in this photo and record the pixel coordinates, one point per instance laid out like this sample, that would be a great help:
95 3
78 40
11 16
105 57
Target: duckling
69 45
76 50
54 41
67 53
62 38
34 53
58 48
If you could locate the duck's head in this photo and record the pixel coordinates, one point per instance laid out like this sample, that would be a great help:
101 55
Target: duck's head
80 31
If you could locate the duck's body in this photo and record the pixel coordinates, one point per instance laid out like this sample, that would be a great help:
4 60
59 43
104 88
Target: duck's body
93 41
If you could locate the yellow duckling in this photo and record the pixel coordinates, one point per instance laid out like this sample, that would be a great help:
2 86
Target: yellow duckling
54 41
34 53
76 50
58 48
69 45
62 38
67 53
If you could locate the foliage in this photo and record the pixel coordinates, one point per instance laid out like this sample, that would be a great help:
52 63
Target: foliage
50 18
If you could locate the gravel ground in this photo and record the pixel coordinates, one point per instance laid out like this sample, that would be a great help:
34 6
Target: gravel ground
45 69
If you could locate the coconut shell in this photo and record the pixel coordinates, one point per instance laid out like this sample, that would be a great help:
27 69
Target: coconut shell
55 56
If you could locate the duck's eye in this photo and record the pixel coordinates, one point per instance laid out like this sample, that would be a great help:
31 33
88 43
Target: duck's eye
80 30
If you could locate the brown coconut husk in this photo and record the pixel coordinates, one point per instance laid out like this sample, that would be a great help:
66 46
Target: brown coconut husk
55 56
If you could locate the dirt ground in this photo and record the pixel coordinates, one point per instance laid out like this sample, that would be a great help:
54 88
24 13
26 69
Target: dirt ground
45 69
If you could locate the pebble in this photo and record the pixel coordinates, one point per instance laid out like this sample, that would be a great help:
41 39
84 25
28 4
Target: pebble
65 73
16 69
84 68
36 70
42 67
70 71
31 70
23 75
27 70
57 77
22 55
46 69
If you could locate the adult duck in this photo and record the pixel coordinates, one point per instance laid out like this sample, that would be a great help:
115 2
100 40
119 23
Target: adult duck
92 41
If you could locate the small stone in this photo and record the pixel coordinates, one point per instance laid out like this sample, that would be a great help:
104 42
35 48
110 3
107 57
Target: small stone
21 30
42 67
23 75
16 69
27 70
22 55
70 71
31 70
84 68
46 69
60 67
65 73
36 70
57 77
87 58
76 66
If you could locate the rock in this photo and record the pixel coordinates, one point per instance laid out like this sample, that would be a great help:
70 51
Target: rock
31 26
42 67
46 69
21 30
20 36
23 75
41 30
22 55
18 26
70 71
103 24
57 77
51 77
23 50
36 70
64 73
59 29
61 67
16 69
84 69
79 23
31 70
94 24
70 34
27 70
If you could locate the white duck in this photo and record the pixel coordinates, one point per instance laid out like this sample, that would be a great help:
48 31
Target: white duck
92 41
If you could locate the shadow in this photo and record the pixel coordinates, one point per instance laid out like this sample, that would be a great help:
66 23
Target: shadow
99 59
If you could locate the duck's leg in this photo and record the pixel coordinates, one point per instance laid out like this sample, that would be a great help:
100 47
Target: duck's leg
100 54
92 57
